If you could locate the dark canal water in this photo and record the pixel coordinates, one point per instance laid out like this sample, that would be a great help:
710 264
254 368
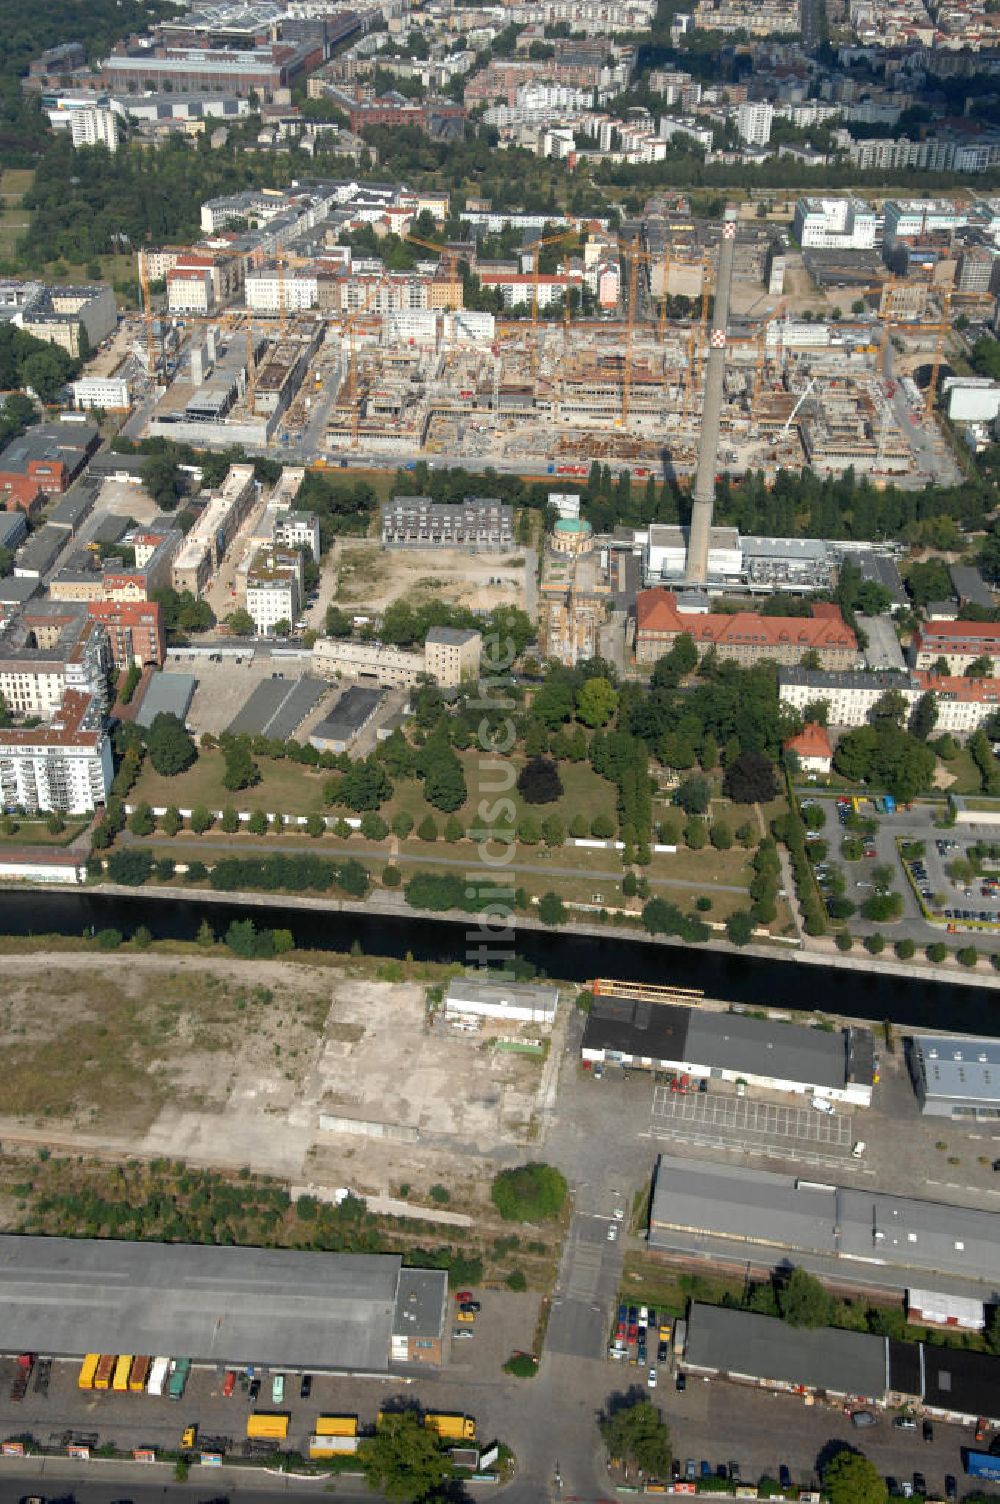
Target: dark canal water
740 978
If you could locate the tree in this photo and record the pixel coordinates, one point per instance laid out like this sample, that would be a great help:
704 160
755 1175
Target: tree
539 781
240 622
980 668
803 1301
443 775
924 717
131 866
849 1478
740 927
257 823
602 827
534 1192
404 1461
693 795
338 623
142 822
201 819
554 830
230 822
427 829
638 1434
454 830
596 702
365 785
551 909
315 825
161 477
171 749
890 707
750 779
171 822
241 772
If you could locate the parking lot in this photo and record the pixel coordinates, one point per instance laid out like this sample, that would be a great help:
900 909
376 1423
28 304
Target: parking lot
718 1120
65 1414
930 879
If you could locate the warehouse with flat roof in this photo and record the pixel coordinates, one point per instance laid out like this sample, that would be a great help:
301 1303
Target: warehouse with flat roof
956 1076
837 1065
272 1307
734 1213
943 1382
166 694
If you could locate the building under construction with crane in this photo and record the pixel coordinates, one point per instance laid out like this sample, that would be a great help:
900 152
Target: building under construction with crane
581 363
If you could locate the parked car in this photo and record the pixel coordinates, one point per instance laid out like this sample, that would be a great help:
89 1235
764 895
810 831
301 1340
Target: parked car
920 1485
681 1383
928 1431
661 1353
278 1388
651 1379
905 1423
612 1232
462 1295
861 1418
306 1387
253 1393
462 1335
466 1316
471 1305
690 1471
784 1478
229 1384
821 1105
950 1487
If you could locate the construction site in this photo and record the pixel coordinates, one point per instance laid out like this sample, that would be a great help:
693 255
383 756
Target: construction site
553 390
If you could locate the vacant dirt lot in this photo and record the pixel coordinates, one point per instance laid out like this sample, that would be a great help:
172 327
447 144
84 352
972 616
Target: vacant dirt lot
228 1063
370 577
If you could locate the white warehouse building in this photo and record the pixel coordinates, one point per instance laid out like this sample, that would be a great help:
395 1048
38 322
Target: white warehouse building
468 997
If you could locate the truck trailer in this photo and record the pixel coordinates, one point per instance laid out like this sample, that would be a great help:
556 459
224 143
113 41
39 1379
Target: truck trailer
981 1465
88 1371
158 1375
139 1377
179 1370
267 1426
451 1427
105 1370
123 1370
336 1425
333 1446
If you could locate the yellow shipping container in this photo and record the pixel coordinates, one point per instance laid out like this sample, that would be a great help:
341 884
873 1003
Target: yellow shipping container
88 1370
273 1427
123 1367
336 1425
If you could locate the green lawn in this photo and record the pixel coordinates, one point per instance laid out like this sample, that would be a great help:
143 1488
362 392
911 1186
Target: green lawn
14 184
584 792
965 773
285 787
34 833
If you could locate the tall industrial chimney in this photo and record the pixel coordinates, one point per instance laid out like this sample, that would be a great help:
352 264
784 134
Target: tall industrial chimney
703 496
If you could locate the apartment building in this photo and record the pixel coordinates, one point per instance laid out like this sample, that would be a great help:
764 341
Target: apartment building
205 545
47 649
963 705
56 315
452 655
134 629
746 637
958 643
65 765
836 224
367 662
109 393
274 589
479 523
298 530
96 126
753 121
